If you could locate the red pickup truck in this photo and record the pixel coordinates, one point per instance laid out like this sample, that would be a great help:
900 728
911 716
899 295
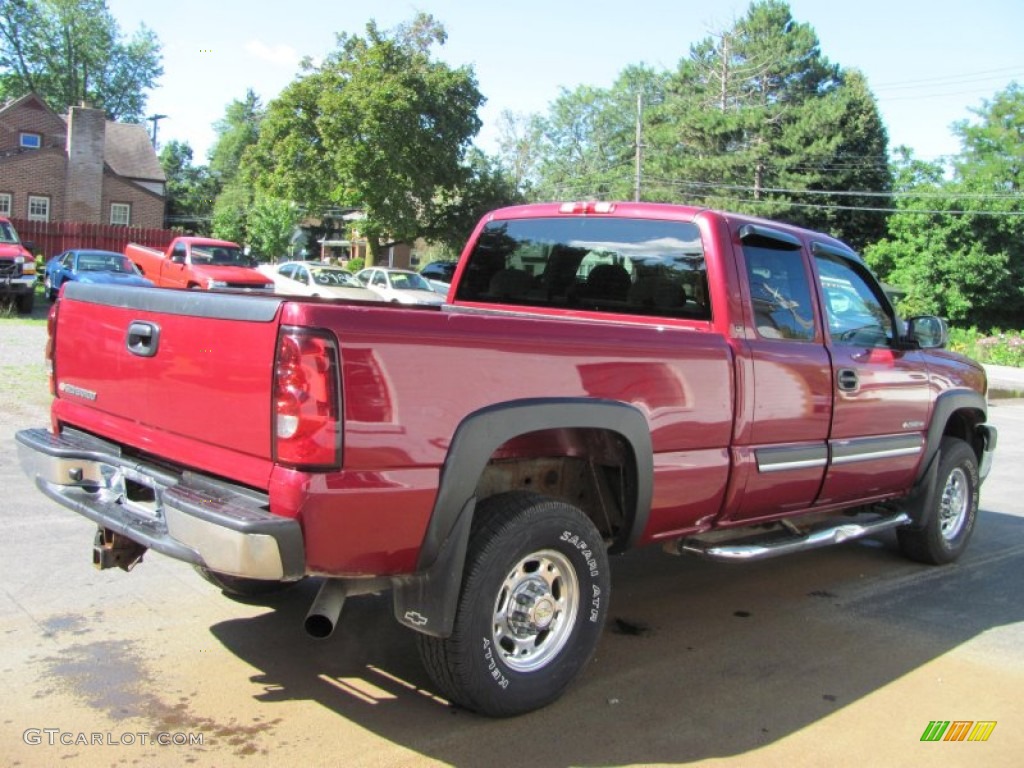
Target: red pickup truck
199 263
604 376
17 268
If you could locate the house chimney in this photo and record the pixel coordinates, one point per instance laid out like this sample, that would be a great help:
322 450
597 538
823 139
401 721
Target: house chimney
84 191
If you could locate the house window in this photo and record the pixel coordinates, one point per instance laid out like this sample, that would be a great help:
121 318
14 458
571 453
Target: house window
31 140
38 208
5 204
120 214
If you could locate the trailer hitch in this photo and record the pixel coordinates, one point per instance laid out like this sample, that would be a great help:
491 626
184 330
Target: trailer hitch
110 550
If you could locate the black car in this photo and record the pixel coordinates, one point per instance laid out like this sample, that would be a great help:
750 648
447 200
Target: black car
443 271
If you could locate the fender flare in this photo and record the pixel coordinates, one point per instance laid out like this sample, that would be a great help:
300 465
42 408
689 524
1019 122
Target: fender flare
426 601
920 500
946 405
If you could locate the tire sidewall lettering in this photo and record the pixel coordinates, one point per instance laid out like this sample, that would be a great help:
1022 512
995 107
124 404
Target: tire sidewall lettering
590 617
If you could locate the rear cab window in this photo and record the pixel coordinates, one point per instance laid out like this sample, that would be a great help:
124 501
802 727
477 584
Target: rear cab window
614 265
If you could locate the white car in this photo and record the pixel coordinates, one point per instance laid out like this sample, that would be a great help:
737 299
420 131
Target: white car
399 285
302 278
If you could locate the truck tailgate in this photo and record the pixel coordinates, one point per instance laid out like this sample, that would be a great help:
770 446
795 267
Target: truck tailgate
190 369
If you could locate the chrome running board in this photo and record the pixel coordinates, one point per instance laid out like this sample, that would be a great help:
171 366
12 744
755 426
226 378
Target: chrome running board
760 548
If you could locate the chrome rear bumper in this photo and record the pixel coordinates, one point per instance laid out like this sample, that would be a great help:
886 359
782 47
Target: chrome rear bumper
187 516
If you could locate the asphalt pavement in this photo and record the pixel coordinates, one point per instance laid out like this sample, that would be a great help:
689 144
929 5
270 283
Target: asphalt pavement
844 656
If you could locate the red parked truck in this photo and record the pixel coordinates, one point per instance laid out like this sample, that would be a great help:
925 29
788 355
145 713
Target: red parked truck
199 263
604 376
17 269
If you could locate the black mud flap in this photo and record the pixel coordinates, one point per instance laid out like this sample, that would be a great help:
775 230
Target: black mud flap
426 601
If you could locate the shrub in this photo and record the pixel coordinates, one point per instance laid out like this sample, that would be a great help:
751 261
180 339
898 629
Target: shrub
995 348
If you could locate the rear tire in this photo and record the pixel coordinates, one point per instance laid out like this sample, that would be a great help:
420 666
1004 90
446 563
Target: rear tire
534 600
950 508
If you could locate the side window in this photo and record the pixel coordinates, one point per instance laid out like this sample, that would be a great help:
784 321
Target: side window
288 270
179 250
379 278
779 290
856 315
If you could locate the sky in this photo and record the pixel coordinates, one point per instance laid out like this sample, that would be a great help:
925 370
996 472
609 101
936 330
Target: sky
929 64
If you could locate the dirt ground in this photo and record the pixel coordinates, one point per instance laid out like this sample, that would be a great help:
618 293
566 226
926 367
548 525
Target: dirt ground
838 657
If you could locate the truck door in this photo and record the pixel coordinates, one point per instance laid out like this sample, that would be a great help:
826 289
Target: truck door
881 396
175 268
784 382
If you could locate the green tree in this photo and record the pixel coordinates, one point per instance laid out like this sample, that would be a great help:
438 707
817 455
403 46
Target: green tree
487 186
587 144
69 51
237 131
230 211
270 226
379 126
757 119
190 189
957 244
519 137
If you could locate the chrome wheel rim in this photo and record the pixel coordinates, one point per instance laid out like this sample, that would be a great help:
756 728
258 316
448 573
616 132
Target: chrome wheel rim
535 610
953 506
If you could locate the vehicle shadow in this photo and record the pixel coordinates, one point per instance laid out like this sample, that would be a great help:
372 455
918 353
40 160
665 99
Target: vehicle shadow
699 660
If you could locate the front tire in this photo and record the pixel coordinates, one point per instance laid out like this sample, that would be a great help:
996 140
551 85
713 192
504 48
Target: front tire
25 303
534 600
951 508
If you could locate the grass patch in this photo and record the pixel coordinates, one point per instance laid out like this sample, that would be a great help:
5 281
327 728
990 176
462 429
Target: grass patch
40 310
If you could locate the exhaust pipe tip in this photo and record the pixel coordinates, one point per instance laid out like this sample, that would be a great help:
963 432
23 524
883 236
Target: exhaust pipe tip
326 609
319 626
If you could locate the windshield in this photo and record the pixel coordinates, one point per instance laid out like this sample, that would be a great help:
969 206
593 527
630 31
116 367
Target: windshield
335 277
105 262
408 281
7 233
224 255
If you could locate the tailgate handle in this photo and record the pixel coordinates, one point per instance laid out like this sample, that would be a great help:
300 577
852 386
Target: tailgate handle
143 338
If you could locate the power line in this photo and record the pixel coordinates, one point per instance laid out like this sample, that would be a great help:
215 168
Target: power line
959 77
843 192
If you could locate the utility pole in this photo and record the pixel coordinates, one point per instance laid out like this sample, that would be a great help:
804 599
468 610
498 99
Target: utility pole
639 144
154 119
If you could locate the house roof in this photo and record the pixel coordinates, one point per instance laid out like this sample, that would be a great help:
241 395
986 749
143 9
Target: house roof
126 147
127 151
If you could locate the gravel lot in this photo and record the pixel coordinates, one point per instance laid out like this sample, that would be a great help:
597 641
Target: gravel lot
23 389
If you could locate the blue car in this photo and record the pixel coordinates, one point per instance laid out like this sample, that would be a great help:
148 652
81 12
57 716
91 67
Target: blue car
88 266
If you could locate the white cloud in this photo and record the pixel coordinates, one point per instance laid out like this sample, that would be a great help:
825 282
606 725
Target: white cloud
281 54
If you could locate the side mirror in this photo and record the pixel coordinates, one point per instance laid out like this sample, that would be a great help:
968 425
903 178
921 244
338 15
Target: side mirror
927 332
29 246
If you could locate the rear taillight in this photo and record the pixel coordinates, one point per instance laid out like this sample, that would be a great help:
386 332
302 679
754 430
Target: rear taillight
307 400
51 347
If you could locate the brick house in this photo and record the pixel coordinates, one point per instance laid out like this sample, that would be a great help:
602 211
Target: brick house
82 167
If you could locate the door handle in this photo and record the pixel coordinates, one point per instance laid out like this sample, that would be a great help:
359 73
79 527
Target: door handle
143 338
847 380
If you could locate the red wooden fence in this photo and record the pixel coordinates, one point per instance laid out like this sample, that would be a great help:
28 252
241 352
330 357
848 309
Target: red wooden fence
52 237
